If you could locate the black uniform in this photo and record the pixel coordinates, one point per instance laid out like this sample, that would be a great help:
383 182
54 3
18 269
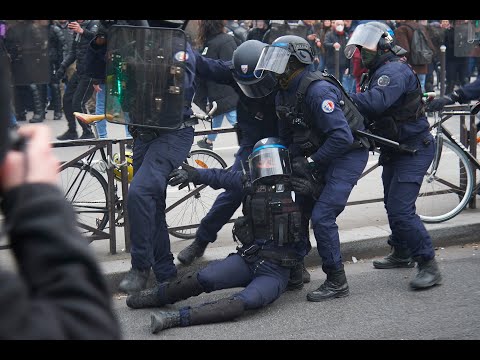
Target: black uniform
59 292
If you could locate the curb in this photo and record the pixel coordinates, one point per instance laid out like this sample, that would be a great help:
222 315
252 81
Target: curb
361 243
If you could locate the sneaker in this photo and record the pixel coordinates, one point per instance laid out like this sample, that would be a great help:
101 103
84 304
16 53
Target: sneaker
204 144
134 281
68 135
87 135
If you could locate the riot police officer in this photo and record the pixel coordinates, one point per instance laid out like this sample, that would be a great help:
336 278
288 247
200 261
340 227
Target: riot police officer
156 153
391 99
256 119
311 108
270 243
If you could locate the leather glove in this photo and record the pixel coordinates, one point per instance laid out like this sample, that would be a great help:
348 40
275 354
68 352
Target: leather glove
306 187
438 104
183 176
301 167
60 73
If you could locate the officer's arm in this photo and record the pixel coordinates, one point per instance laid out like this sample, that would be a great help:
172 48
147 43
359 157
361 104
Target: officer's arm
219 71
385 90
221 179
470 91
330 120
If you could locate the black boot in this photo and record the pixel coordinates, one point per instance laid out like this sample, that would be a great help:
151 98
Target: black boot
428 274
208 313
191 252
68 135
167 293
134 281
38 104
298 276
398 258
164 320
335 286
56 102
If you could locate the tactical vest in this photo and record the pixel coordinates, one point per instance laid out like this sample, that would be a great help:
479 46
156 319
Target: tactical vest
300 119
269 214
411 108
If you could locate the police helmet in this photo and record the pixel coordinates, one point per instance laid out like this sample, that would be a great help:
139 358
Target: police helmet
244 59
275 57
372 35
269 161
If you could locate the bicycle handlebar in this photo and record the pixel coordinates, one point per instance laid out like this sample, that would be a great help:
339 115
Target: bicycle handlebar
90 118
207 116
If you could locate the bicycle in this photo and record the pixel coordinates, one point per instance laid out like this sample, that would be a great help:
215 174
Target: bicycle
87 189
449 184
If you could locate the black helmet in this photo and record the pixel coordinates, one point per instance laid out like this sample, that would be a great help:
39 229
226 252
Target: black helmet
275 57
372 35
245 59
269 160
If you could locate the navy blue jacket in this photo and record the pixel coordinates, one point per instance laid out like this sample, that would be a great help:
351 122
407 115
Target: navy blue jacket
323 102
397 80
470 91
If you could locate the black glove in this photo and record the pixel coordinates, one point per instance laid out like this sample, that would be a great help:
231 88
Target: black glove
438 104
60 73
301 167
306 187
183 176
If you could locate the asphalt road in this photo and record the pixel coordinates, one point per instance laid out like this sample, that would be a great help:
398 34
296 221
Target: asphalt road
380 307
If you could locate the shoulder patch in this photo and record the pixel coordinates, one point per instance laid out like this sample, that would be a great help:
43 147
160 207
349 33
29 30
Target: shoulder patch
383 80
181 56
328 106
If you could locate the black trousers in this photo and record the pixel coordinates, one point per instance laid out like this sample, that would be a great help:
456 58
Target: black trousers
78 91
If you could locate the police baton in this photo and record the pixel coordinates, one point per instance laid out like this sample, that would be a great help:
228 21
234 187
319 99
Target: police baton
385 141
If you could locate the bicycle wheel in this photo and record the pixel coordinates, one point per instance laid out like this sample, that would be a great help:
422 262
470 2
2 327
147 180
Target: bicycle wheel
447 186
187 207
86 189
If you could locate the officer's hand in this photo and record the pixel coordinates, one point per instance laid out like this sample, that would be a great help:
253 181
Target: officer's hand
301 167
306 187
60 73
438 104
183 176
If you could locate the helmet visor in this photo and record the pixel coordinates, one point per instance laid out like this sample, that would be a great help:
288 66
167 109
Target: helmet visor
269 160
364 36
256 88
274 59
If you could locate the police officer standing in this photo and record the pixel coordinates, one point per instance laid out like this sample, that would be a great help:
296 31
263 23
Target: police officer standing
156 153
391 99
270 239
313 124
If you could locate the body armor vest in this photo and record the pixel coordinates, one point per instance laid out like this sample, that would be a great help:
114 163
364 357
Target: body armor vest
270 214
410 109
298 116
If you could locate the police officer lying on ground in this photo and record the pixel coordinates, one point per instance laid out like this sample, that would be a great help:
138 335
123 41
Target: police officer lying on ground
317 124
391 98
272 241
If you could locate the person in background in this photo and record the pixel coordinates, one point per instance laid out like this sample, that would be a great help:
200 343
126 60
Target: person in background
216 44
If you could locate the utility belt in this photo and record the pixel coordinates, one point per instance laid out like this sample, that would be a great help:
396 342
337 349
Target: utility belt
284 258
148 134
